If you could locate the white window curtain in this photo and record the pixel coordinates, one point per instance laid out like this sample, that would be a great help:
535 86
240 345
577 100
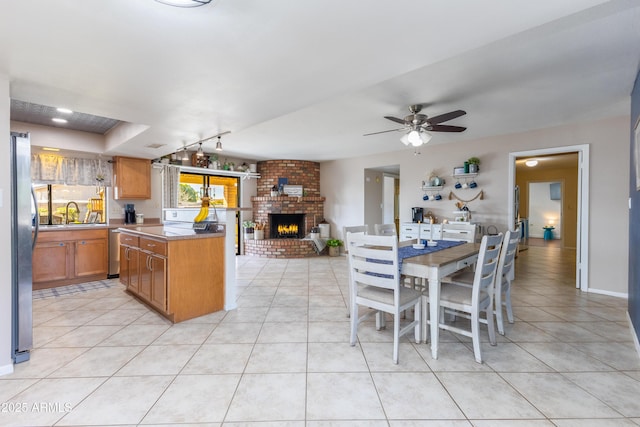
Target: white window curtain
170 186
54 169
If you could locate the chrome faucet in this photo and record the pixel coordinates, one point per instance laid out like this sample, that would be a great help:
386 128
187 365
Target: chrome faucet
67 210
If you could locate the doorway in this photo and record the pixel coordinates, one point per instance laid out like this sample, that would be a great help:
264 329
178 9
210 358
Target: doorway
381 195
574 209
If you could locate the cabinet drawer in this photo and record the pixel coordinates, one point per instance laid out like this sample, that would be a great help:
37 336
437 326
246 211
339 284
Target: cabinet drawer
129 240
405 228
466 262
154 246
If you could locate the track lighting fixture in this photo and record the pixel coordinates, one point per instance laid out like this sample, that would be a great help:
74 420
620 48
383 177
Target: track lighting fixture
219 144
200 153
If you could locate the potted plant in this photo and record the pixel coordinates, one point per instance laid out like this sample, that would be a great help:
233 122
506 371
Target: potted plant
334 246
474 164
248 229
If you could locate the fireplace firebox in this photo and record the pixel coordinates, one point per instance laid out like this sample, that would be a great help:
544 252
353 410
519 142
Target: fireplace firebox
286 226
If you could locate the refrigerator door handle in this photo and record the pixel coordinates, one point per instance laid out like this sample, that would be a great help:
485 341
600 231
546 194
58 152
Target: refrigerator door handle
36 221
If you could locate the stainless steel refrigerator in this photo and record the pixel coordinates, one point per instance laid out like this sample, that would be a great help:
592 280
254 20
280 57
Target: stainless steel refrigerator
24 232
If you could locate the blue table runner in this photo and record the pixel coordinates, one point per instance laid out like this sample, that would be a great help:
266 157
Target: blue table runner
410 251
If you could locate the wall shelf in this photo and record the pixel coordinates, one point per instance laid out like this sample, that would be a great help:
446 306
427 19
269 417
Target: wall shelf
432 188
464 175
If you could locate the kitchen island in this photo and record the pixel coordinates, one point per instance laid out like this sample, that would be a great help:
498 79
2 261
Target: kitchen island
176 271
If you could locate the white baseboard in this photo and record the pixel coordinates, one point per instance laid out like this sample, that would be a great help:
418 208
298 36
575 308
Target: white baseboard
633 334
6 369
609 293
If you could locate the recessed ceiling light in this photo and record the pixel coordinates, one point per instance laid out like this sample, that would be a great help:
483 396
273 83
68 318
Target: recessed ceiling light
50 149
531 163
184 3
64 110
58 120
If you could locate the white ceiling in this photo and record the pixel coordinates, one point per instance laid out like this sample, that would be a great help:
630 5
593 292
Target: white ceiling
306 79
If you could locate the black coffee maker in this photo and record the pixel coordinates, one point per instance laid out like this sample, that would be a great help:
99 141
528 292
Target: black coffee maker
129 214
417 214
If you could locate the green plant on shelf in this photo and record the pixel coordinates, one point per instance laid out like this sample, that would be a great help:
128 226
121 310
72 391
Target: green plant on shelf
473 161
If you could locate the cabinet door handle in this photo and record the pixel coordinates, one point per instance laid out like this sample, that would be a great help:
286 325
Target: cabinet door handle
60 244
83 242
126 254
149 264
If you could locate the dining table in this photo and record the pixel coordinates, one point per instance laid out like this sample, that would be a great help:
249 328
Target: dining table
433 266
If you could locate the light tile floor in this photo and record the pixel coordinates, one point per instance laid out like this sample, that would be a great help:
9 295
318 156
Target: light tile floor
283 359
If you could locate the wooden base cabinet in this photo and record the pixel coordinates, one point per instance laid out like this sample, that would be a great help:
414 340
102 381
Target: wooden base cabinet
129 266
50 262
69 256
181 279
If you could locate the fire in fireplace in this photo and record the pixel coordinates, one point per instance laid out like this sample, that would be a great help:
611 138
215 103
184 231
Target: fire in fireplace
286 226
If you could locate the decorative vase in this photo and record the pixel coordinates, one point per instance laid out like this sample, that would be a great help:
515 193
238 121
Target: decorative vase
258 234
473 168
334 250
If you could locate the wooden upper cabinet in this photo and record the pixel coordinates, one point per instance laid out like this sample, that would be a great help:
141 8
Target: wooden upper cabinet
132 178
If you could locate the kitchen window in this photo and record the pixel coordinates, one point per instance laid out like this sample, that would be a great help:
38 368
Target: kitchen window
223 190
69 204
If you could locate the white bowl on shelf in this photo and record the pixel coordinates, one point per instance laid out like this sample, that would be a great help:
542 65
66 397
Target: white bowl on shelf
418 246
432 243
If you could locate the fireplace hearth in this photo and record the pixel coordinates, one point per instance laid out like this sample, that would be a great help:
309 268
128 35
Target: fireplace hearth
286 226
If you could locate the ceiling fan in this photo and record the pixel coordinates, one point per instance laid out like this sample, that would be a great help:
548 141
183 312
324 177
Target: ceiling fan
418 125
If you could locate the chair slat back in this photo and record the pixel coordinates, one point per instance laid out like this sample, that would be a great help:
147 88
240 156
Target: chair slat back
486 267
385 229
363 229
507 257
373 260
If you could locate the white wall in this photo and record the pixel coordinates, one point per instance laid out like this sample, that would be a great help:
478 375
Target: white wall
609 142
6 364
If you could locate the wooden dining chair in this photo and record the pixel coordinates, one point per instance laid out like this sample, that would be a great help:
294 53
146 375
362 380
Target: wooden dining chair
504 277
375 285
358 229
385 229
471 302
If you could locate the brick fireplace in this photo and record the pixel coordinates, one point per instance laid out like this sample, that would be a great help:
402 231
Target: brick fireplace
309 207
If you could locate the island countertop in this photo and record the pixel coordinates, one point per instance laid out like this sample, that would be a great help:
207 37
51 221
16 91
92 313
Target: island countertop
169 232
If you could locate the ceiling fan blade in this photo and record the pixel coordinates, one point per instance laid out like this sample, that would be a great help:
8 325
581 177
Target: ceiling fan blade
445 128
384 131
445 117
397 120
